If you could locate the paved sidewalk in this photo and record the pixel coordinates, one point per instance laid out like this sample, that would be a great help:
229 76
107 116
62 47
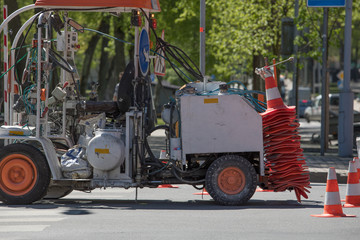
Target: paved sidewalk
319 166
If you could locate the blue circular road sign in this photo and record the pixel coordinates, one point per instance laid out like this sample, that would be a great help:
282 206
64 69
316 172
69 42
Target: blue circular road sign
144 52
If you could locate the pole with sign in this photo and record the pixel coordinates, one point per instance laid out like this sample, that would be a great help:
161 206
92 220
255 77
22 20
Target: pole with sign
346 111
159 63
345 131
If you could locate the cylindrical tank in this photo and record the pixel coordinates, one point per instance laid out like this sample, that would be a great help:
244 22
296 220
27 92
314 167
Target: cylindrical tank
106 150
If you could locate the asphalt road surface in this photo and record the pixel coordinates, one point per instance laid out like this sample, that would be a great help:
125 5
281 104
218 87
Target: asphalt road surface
175 214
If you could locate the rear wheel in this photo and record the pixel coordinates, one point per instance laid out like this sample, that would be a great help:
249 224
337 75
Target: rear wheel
24 174
231 180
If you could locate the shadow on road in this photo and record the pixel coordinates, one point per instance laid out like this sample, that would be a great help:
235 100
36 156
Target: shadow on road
84 207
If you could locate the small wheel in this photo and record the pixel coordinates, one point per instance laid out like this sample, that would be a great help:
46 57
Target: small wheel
307 118
231 180
57 192
24 174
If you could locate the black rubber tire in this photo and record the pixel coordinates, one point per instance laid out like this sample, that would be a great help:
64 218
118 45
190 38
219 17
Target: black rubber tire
40 182
57 192
231 162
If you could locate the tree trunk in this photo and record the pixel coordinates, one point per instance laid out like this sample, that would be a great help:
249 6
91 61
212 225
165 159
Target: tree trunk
118 61
105 63
89 53
14 26
257 81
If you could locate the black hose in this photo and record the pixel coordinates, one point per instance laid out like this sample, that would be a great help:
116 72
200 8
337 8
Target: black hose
165 127
38 14
186 181
199 188
54 57
176 53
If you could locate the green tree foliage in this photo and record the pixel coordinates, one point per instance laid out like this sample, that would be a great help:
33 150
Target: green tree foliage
237 31
309 25
242 29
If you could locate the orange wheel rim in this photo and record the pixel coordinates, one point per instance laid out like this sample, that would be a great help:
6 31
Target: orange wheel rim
18 174
231 180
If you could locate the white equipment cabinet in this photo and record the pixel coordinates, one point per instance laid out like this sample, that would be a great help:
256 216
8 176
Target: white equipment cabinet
220 124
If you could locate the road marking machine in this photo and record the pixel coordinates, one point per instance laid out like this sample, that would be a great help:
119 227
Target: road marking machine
218 137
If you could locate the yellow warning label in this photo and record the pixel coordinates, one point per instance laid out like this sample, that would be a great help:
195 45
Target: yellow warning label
102 151
211 100
17 133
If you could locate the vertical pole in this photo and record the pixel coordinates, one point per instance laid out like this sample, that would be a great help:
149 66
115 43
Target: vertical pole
202 36
47 72
346 111
6 66
63 75
325 98
136 52
295 76
38 74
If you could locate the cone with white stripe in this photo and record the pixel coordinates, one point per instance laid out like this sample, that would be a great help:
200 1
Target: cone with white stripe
282 147
332 205
273 97
352 198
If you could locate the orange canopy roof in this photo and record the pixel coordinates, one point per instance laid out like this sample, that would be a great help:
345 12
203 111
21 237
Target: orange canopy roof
152 5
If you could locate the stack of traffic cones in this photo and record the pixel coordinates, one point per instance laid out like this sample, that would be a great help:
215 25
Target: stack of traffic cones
283 154
352 198
332 205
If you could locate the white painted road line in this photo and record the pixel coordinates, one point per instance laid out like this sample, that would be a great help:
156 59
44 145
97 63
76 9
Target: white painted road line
23 228
37 219
8 213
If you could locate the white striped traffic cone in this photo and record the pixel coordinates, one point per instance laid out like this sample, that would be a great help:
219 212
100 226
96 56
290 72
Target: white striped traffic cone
332 205
352 198
273 97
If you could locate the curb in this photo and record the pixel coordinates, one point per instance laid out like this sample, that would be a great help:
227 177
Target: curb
321 176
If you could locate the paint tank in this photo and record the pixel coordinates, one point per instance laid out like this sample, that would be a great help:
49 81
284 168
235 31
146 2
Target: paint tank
106 150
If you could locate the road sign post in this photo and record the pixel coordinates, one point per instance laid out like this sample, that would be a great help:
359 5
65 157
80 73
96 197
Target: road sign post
346 96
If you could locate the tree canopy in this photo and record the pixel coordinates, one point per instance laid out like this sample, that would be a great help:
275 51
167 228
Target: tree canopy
236 32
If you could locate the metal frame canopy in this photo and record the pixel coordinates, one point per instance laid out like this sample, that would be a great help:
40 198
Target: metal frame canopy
125 5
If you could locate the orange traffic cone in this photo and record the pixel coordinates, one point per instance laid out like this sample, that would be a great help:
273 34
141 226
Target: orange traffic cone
352 198
273 97
167 186
357 166
203 192
332 206
263 190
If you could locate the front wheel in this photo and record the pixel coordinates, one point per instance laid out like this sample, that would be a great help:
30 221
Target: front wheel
24 174
231 180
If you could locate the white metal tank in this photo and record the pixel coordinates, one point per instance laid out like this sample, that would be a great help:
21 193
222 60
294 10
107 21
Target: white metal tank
106 150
